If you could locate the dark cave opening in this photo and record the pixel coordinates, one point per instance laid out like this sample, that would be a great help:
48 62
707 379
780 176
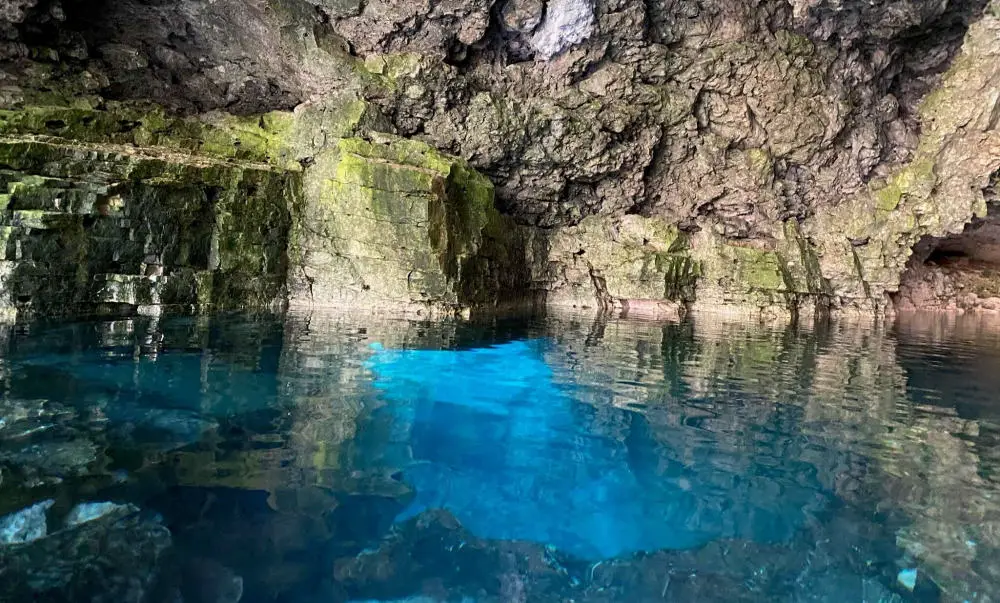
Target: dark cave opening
959 272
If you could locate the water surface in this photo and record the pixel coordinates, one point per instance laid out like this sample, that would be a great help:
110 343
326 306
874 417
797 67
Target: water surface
326 458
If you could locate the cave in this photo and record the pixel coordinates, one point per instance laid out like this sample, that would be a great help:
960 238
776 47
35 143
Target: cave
424 301
956 273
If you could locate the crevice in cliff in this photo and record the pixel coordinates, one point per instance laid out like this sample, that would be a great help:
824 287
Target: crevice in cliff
928 50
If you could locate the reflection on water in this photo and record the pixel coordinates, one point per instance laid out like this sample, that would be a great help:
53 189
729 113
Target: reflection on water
324 458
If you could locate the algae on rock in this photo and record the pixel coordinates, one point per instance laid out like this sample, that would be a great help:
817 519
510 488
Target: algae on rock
610 263
392 223
102 228
127 208
863 243
778 276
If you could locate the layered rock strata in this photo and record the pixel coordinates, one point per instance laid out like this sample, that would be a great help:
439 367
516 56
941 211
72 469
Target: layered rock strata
646 155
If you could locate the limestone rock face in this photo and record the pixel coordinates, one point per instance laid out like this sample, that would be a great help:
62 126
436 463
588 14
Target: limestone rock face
243 213
432 27
393 223
864 242
98 228
196 55
614 264
799 149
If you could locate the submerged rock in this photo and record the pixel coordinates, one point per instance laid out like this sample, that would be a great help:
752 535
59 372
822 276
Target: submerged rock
907 578
26 525
207 581
160 428
434 549
21 418
113 558
53 460
415 600
507 459
85 512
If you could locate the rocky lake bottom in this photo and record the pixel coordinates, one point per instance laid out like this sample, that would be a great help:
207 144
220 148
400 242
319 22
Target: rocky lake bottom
329 458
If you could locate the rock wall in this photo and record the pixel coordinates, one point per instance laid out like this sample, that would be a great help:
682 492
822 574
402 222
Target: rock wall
94 228
777 156
393 223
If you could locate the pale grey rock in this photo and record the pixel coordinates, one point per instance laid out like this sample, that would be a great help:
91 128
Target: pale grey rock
84 512
15 10
26 525
567 23
522 16
436 27
122 57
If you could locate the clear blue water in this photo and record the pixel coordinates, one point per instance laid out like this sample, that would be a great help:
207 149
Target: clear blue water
326 458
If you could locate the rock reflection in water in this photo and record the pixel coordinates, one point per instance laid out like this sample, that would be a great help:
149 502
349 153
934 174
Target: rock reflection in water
566 458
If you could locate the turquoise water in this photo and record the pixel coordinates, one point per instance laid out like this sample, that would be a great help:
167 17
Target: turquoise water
326 458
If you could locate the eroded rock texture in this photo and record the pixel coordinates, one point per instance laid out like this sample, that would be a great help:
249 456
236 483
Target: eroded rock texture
742 113
797 148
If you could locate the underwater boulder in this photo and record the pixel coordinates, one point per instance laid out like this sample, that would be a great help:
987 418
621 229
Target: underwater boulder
26 525
208 581
84 512
52 460
116 557
432 554
20 418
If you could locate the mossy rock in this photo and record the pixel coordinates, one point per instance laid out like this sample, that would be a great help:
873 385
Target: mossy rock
916 179
280 138
393 222
758 269
92 227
